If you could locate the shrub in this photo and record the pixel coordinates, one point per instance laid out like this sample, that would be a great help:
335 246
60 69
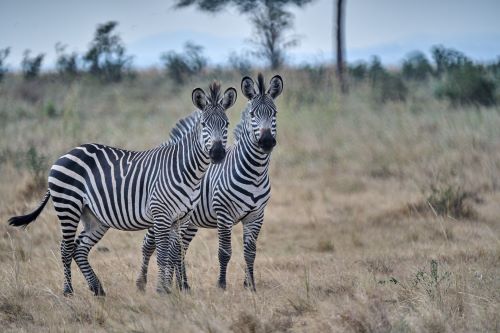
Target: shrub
36 164
434 283
4 53
447 59
494 69
467 84
31 65
66 64
416 67
386 86
375 70
50 110
181 66
358 71
451 201
106 56
240 64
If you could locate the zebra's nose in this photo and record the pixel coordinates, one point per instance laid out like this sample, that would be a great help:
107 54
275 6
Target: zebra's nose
217 153
267 140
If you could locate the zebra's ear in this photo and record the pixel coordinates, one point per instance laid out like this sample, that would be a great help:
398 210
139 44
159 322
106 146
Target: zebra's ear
275 86
247 88
199 98
229 98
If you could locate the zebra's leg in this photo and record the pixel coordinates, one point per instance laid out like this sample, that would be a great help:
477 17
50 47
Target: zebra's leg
250 233
69 217
224 227
148 247
162 236
92 233
175 249
187 236
67 249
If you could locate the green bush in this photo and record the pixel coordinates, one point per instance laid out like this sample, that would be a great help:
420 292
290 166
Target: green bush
240 63
182 66
386 86
451 201
31 65
447 59
66 64
106 58
416 67
36 164
4 53
358 71
467 84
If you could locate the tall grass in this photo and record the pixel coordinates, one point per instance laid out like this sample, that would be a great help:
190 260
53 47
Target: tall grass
342 243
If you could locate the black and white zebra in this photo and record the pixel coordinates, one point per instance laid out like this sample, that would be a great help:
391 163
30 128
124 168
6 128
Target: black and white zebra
107 187
236 190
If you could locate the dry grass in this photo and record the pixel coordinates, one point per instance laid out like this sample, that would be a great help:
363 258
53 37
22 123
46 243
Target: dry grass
341 248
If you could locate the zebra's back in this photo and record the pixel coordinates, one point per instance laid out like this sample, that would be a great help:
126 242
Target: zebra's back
114 183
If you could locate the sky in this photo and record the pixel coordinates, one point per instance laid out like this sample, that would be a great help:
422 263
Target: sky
387 28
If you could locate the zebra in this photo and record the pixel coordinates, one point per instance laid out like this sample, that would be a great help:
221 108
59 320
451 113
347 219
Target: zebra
107 187
236 190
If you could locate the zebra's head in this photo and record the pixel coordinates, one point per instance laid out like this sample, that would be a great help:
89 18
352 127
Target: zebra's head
262 109
213 120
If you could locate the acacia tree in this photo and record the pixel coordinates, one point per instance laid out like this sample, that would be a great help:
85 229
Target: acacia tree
271 21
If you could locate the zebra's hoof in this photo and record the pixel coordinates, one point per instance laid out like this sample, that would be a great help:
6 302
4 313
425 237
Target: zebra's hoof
162 290
68 292
221 285
249 286
141 284
185 287
98 291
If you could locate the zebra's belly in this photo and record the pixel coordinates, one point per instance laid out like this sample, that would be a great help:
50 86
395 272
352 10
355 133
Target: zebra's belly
126 218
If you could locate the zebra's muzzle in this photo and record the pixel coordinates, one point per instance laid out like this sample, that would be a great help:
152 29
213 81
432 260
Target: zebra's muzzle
267 141
217 153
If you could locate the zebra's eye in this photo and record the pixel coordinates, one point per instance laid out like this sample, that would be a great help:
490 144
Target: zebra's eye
203 124
252 113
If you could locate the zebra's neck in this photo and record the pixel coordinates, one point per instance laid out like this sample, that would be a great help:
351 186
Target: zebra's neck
248 149
191 158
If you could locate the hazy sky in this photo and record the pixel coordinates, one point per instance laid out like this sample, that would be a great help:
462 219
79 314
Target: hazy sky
389 28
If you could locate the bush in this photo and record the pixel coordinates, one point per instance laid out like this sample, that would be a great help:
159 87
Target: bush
448 59
416 67
467 84
106 56
66 64
31 65
358 71
494 69
240 64
4 53
50 110
36 164
182 66
386 86
451 201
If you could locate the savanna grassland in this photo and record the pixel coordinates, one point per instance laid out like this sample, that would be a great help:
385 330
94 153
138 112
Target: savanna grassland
384 217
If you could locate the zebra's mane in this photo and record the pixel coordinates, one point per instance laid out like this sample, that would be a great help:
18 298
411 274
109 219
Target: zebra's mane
183 127
260 84
240 127
215 94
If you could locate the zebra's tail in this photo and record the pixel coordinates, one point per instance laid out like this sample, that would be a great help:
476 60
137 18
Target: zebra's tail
23 220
